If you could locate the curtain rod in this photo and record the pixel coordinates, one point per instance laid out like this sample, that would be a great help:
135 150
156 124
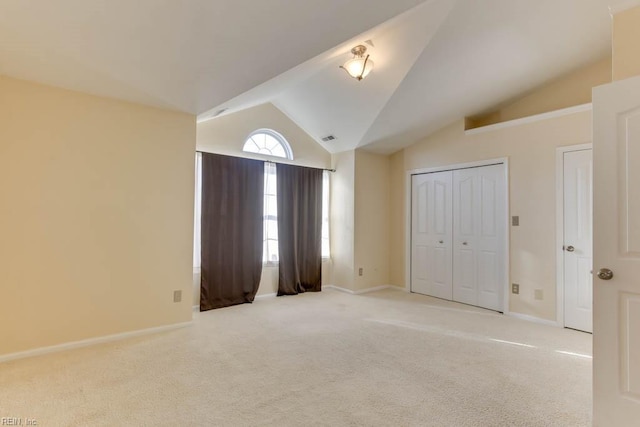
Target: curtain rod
270 161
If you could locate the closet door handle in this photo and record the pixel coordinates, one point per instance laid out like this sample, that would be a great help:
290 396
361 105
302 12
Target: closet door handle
441 241
465 243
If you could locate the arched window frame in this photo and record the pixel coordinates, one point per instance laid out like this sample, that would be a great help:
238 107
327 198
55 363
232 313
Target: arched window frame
277 136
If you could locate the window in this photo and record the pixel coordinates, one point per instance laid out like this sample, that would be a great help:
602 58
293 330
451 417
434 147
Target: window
271 143
270 227
268 142
325 215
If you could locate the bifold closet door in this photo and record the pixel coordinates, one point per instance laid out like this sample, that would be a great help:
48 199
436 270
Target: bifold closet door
431 233
478 236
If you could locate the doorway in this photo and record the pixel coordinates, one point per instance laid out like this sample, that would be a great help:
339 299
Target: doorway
575 235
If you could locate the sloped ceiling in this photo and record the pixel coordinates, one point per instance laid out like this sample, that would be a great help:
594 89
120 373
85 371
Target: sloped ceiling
188 55
435 61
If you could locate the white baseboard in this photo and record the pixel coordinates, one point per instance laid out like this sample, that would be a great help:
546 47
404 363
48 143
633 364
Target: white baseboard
271 295
88 342
196 309
534 319
362 291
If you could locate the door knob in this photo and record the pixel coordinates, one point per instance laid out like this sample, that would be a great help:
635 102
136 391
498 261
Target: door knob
570 249
465 243
441 241
605 274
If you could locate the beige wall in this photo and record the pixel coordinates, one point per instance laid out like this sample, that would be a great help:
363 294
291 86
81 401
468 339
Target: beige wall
567 91
96 219
397 200
371 220
226 135
626 49
342 219
531 150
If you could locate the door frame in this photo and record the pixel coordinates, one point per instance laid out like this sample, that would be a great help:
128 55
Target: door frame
507 264
560 152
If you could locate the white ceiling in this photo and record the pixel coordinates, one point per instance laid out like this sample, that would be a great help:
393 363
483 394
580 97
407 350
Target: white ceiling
435 61
188 55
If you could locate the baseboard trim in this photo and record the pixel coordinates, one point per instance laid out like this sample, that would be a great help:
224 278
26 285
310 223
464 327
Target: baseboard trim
89 342
196 309
271 295
534 319
362 291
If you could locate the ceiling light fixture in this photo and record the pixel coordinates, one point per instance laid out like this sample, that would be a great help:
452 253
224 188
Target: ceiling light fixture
360 66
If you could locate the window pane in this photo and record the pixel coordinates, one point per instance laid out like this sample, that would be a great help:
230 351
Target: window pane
250 147
270 184
273 250
272 229
270 206
279 151
270 142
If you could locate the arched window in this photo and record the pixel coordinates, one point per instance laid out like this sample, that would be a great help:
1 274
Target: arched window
269 142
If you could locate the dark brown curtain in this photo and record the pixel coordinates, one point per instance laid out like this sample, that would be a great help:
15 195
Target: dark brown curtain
232 200
299 229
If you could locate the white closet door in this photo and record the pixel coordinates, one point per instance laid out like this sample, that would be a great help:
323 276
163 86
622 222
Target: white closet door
466 223
478 239
431 257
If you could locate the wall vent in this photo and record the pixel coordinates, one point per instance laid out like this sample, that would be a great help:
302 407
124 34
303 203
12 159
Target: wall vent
217 113
328 138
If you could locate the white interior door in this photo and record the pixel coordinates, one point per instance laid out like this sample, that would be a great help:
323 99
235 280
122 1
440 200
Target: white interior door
616 220
431 231
577 225
478 240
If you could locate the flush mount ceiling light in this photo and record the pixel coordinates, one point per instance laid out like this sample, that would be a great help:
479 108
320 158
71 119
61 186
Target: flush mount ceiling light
360 66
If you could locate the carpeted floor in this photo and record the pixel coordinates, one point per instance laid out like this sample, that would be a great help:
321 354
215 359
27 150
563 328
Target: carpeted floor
381 359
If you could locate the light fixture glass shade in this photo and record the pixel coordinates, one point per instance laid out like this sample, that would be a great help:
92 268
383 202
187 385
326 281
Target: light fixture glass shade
359 68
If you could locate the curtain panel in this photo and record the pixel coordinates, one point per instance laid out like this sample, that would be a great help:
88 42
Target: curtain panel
231 230
299 229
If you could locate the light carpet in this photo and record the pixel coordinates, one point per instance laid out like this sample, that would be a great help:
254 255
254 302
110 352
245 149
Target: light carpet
382 359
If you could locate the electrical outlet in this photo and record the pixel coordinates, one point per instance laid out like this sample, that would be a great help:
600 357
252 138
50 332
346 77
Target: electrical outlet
360 271
177 296
515 288
538 294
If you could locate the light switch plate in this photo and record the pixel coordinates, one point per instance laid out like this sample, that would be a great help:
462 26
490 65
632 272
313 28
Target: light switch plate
515 221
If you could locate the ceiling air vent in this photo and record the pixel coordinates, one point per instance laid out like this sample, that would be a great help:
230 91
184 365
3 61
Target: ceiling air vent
328 138
217 113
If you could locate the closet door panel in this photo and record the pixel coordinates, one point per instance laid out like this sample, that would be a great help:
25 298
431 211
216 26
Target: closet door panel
431 213
465 229
490 241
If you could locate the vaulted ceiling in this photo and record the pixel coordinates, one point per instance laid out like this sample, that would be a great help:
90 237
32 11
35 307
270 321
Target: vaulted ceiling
435 61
